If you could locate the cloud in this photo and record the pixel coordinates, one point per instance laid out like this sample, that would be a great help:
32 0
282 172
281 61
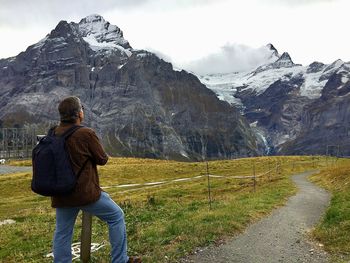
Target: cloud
160 54
300 2
26 13
19 13
231 58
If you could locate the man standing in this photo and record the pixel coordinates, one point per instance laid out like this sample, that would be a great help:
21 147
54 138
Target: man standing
85 151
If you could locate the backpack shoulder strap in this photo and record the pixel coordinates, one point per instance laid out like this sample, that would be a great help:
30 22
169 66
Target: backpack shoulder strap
51 132
71 130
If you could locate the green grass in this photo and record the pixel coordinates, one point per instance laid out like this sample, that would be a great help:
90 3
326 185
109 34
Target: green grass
334 230
26 162
164 223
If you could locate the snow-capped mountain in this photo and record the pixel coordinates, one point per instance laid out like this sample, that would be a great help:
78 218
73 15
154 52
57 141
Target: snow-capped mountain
93 31
136 101
141 106
102 36
277 96
315 78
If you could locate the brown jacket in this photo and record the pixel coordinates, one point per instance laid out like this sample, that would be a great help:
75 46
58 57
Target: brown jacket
84 147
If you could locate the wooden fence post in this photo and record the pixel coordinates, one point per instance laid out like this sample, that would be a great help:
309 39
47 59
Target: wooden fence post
209 186
254 174
314 161
279 167
276 167
85 246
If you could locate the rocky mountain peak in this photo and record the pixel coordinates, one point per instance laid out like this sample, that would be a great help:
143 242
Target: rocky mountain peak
101 34
277 61
285 57
273 49
94 18
315 67
331 68
338 63
63 29
285 61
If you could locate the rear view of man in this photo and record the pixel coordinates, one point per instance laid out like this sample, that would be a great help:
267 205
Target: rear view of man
85 151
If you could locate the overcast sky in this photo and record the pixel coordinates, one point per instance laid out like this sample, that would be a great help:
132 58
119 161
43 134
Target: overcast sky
221 34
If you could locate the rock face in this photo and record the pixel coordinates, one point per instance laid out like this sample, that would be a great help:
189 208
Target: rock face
137 103
294 109
326 121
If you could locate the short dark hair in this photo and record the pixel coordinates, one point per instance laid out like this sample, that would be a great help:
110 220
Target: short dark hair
69 109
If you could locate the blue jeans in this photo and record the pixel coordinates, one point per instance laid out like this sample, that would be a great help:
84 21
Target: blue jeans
105 209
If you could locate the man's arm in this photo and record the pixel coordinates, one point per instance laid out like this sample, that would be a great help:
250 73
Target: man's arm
99 156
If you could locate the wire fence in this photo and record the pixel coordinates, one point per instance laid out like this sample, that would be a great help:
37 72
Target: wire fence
16 143
247 175
275 171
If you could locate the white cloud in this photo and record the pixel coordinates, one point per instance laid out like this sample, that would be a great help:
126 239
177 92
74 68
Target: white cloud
300 2
230 58
26 13
188 30
160 54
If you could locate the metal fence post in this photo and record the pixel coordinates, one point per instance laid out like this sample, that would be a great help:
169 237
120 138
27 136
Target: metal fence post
85 246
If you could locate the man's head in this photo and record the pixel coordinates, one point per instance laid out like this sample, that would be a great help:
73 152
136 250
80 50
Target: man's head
71 110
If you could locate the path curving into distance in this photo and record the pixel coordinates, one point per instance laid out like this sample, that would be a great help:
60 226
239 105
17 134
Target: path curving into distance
280 237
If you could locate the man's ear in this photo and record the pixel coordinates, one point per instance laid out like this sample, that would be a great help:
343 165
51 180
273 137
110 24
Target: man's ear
81 114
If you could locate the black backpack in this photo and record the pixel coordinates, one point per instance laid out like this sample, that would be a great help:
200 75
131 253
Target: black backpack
52 170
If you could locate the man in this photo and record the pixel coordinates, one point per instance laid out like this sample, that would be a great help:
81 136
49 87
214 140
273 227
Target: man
85 153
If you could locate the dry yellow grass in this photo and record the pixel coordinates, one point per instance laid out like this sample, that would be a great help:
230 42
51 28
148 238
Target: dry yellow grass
164 222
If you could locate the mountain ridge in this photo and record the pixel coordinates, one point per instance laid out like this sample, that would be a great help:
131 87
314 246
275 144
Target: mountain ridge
281 98
135 101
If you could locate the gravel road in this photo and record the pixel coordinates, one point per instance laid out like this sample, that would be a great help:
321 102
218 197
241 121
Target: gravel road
280 237
6 169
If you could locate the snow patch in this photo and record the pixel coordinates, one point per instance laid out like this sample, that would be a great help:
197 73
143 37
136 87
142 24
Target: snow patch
100 46
312 86
224 87
7 222
102 36
120 66
254 124
184 154
142 55
177 69
344 79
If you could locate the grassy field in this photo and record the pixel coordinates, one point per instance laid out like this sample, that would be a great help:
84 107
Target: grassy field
165 222
334 230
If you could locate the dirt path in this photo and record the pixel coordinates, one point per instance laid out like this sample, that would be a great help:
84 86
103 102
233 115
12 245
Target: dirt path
7 169
281 237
